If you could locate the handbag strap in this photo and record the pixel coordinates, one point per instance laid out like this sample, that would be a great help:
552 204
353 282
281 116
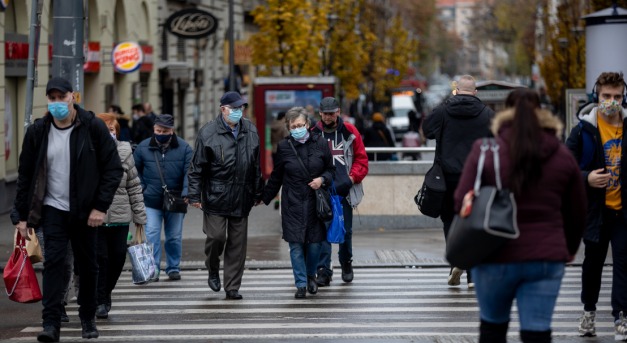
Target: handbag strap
24 255
488 143
163 185
298 158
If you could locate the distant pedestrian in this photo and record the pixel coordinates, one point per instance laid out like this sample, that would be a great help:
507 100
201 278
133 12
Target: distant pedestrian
351 167
123 121
378 135
550 201
173 155
69 172
142 124
127 207
302 228
599 145
455 125
278 132
225 182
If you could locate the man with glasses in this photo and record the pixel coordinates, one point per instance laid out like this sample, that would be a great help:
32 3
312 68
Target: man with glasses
351 163
225 182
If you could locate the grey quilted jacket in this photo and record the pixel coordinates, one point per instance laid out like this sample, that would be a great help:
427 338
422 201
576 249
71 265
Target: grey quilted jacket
128 202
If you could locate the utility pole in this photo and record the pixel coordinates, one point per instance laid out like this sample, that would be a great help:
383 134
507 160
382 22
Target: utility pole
67 43
33 49
231 48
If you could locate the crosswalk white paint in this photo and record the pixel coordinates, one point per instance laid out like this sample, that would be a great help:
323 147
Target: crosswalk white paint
380 304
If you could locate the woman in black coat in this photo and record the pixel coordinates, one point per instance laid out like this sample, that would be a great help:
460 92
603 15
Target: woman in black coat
301 227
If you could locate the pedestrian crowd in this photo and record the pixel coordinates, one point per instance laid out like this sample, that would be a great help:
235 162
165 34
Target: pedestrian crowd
84 179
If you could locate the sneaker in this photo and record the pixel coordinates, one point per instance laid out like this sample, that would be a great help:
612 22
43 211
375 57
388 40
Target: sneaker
89 328
620 328
471 285
347 271
174 276
455 276
586 324
323 279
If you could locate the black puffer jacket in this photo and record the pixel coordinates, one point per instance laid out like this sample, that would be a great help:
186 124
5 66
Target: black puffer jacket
95 169
225 172
464 119
298 201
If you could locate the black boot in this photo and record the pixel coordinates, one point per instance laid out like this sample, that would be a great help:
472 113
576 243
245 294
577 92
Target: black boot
49 334
535 336
493 333
89 328
312 286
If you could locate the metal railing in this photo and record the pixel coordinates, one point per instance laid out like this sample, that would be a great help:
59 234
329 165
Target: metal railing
402 150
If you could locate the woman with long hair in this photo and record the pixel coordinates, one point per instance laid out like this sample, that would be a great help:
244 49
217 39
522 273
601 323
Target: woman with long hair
550 196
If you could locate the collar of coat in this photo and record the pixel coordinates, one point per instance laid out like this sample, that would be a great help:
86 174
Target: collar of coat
547 121
592 116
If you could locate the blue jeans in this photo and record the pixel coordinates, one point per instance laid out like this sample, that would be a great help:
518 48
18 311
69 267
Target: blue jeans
345 253
304 266
173 228
534 285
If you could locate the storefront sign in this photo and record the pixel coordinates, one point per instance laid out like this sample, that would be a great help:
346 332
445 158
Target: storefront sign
191 23
127 57
148 58
4 4
16 54
92 57
243 53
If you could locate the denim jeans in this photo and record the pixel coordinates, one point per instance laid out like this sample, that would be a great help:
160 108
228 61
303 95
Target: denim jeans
173 228
304 266
345 253
535 286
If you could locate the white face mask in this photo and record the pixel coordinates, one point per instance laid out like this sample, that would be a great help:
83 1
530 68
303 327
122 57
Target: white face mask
113 135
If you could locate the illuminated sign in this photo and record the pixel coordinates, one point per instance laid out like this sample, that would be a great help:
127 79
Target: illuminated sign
127 57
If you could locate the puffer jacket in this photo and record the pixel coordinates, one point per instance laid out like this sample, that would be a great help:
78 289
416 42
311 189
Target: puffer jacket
128 201
299 220
174 162
225 173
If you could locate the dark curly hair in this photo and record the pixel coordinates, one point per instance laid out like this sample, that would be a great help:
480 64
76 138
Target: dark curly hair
610 79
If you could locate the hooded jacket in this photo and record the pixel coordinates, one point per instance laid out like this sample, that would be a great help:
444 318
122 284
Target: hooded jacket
551 212
95 169
586 145
225 173
462 119
298 201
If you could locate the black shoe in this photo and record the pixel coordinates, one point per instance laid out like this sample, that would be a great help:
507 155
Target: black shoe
101 312
174 276
312 286
233 295
214 281
89 328
49 334
347 271
64 317
323 279
301 293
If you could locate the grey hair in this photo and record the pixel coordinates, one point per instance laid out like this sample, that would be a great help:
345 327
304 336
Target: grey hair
295 113
466 83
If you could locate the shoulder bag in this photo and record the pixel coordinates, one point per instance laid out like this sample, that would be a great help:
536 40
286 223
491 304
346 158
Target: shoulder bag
430 197
487 219
323 199
172 201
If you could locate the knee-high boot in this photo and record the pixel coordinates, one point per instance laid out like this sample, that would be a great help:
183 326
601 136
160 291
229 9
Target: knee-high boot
492 332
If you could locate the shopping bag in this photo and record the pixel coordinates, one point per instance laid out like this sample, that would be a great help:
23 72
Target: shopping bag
19 276
336 230
33 248
144 268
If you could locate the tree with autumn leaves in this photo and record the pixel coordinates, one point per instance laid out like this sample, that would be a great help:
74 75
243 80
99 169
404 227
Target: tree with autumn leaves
364 44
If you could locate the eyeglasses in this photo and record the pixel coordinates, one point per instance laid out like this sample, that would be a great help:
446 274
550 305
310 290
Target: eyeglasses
297 126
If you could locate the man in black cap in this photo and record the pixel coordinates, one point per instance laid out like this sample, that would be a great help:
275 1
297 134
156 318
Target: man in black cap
351 167
163 160
68 174
226 170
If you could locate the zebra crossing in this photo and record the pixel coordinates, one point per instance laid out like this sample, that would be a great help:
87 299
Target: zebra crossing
381 304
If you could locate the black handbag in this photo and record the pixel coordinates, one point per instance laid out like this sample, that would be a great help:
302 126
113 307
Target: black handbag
172 200
491 222
323 199
430 196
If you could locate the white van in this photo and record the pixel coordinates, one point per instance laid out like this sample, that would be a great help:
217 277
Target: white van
399 121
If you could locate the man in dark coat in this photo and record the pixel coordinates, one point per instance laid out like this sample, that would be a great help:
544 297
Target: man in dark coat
378 135
68 174
225 182
455 125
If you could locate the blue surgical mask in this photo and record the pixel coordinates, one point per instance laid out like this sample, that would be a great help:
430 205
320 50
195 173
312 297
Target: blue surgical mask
59 110
299 133
235 115
162 138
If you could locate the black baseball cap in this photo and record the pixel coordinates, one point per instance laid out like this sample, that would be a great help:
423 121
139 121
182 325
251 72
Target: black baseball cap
329 104
59 84
165 120
233 99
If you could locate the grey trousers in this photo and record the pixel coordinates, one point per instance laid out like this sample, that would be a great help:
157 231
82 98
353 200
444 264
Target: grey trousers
228 235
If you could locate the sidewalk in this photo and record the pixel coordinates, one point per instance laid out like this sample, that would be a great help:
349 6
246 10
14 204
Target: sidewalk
422 248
